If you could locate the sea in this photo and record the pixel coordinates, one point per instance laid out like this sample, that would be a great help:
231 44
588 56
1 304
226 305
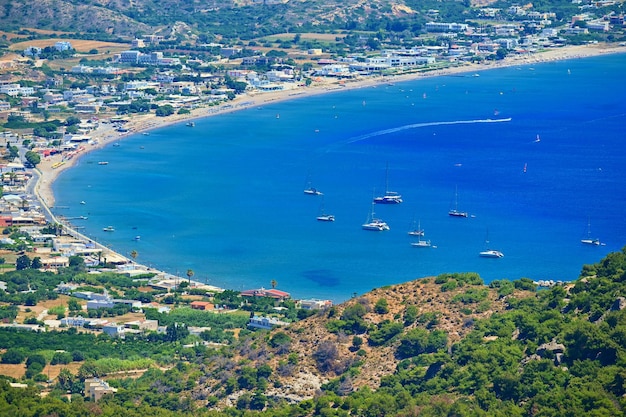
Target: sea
535 154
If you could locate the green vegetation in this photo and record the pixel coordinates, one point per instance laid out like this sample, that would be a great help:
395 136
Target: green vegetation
557 351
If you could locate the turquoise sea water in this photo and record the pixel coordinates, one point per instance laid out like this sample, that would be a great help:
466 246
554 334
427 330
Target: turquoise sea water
225 198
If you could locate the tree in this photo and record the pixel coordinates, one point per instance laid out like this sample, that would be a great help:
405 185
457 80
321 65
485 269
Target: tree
273 283
381 306
165 110
77 262
189 274
72 120
23 262
36 264
74 305
13 356
134 254
176 332
33 158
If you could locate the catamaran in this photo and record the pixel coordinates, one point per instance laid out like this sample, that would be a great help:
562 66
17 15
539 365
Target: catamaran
390 197
374 224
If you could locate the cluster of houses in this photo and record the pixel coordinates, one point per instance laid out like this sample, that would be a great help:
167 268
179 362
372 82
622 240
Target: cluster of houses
518 30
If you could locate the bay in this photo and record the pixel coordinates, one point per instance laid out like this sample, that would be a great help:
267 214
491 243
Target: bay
225 198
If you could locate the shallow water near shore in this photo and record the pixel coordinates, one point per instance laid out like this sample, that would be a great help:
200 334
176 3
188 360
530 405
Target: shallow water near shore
536 153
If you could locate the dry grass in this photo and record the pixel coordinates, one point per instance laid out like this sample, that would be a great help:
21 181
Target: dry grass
18 371
81 45
322 37
35 311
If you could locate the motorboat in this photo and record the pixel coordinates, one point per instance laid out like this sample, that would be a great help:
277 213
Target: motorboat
108 229
312 191
491 253
326 218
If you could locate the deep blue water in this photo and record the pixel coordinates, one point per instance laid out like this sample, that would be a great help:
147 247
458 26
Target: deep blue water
225 198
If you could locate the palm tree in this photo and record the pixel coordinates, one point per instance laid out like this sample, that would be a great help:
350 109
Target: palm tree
134 254
273 283
189 274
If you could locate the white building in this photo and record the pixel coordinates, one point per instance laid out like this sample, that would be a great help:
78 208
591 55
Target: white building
445 27
62 46
265 323
12 90
32 51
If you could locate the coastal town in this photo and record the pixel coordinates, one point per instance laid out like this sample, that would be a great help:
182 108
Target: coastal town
53 117
84 326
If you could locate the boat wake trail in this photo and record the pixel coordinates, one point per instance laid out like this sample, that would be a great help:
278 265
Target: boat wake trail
419 125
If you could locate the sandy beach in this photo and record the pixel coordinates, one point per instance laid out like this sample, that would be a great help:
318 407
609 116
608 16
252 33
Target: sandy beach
51 167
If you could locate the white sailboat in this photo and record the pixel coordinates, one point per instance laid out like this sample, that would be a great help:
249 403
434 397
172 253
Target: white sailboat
455 211
390 197
490 253
420 243
374 224
416 231
589 240
324 217
310 190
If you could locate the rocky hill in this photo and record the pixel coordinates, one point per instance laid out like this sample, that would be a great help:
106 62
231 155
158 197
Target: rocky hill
358 341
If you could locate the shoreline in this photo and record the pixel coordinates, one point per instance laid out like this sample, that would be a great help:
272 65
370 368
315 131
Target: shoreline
105 134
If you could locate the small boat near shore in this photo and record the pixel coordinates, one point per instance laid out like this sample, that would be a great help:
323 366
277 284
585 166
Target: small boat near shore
190 124
108 229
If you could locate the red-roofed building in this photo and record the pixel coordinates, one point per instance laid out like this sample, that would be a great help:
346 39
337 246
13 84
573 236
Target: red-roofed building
202 305
262 292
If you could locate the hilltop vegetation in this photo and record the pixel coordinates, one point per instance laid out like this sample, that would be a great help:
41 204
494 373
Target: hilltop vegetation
438 346
247 19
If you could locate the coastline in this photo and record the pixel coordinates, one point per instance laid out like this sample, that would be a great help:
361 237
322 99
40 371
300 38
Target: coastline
105 134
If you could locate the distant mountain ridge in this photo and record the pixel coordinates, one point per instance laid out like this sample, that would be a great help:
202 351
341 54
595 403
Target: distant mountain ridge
246 18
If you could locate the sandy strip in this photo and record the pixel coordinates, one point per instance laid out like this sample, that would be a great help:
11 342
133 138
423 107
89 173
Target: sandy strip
105 134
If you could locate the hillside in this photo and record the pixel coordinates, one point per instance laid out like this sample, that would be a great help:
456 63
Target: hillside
434 309
503 349
60 15
245 19
445 345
